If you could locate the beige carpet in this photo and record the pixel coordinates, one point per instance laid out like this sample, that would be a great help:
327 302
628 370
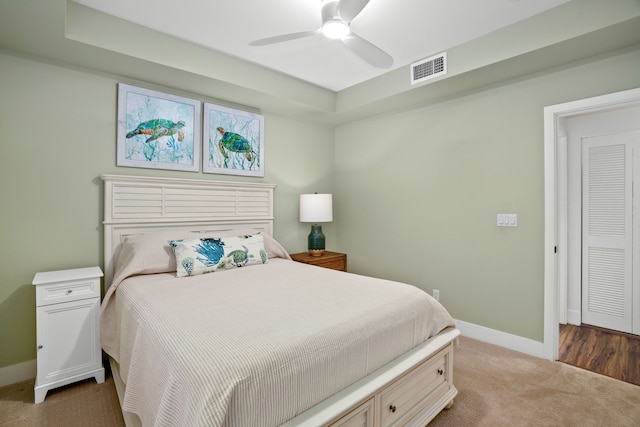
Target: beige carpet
497 387
84 404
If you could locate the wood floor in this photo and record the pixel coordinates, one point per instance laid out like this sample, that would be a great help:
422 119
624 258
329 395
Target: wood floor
606 352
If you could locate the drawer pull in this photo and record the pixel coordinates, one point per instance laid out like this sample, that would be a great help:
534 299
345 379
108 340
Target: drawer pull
39 347
69 291
392 408
440 372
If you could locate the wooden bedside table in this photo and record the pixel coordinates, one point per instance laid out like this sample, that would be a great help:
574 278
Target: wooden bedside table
333 260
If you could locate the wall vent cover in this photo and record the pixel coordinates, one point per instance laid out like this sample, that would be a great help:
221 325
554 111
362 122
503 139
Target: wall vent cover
429 68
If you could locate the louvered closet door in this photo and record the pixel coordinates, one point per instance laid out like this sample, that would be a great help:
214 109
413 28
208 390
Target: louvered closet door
608 266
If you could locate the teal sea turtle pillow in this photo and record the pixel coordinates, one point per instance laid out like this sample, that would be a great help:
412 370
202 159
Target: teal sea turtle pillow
209 254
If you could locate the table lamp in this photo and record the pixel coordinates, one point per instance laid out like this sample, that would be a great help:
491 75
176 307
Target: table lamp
316 208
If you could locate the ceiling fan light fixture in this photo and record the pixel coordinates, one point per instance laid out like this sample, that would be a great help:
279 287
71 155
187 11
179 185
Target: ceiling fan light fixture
335 29
337 16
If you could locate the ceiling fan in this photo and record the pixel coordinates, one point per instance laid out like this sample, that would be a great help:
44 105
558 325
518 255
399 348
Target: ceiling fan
336 19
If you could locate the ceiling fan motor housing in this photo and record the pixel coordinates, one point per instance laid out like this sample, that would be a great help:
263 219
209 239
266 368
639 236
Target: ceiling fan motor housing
329 10
333 26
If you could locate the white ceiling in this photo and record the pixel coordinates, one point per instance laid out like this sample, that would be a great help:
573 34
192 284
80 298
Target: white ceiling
408 30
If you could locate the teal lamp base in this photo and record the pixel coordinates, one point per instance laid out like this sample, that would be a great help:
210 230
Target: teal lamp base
316 241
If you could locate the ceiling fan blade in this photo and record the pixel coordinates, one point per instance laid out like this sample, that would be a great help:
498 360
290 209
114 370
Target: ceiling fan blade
282 38
349 9
367 51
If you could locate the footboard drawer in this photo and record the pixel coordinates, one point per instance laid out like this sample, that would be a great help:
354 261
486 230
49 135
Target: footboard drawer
409 392
362 416
413 392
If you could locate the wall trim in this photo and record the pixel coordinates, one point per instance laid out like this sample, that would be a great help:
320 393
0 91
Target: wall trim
17 373
574 317
503 339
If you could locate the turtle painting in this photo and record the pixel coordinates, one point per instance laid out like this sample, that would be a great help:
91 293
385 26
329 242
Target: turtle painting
157 128
235 143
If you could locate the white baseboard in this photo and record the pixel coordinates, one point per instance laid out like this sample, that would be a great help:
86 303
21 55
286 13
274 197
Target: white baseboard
503 339
574 317
18 373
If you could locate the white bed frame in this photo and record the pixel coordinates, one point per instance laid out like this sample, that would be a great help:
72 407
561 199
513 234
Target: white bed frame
410 391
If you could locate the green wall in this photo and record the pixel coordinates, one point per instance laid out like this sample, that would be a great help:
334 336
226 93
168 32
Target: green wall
57 136
418 173
418 193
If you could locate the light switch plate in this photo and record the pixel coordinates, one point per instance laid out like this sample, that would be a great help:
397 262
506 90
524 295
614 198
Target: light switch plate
507 220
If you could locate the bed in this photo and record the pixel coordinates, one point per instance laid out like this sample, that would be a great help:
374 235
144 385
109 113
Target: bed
262 340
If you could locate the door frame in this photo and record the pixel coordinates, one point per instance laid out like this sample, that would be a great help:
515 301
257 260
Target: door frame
555 212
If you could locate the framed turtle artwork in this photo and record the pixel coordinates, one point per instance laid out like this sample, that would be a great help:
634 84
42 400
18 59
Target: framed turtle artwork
233 141
158 130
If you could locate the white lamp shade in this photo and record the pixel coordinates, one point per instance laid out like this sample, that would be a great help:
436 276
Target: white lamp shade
316 208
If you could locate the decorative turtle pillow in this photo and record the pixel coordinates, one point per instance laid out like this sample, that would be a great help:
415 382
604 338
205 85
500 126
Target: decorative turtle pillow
209 254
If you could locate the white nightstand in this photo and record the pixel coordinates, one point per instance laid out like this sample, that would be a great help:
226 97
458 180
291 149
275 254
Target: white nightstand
67 328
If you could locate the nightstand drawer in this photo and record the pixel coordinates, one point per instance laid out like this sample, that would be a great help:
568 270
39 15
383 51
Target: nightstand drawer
67 291
53 287
333 260
335 264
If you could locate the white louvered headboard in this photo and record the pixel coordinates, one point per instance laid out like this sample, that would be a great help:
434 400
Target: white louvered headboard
137 204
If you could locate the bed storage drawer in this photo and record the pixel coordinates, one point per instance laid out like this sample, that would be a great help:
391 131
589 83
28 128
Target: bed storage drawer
362 416
409 395
391 399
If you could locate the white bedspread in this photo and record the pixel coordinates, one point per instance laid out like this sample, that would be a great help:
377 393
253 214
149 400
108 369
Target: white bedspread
255 346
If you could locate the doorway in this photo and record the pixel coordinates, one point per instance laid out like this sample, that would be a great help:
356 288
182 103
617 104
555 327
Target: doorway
603 160
558 253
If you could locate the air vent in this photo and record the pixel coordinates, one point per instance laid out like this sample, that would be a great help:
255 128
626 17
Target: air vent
429 68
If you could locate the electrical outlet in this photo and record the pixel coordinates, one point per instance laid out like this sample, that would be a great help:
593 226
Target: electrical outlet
436 294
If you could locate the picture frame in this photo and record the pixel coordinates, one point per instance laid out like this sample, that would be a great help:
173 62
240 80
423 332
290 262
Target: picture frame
233 141
158 130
